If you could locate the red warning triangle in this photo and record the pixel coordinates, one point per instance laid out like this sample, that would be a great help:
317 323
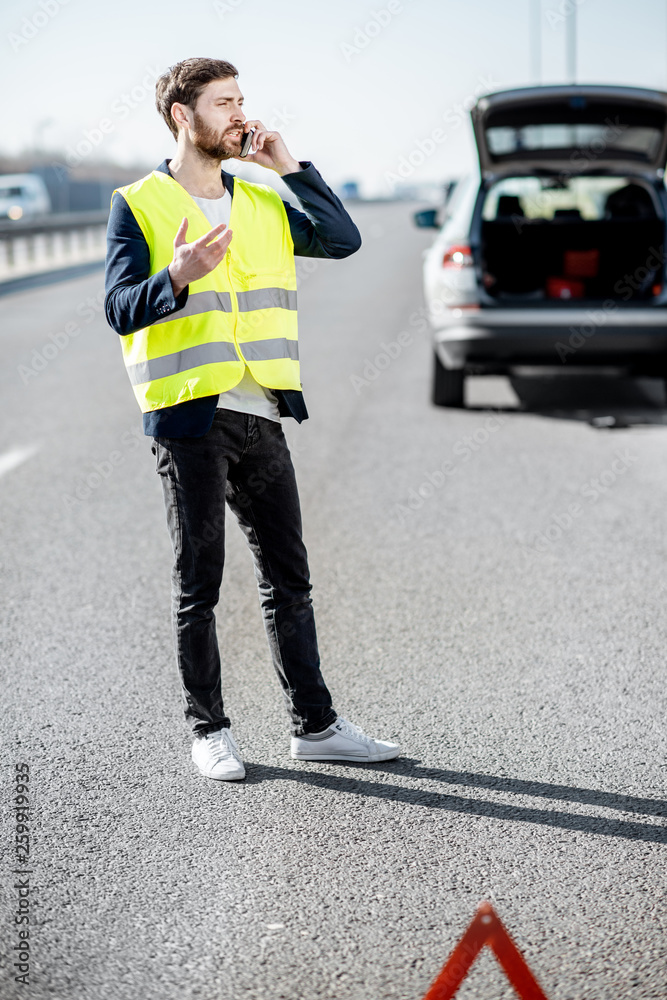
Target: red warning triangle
486 928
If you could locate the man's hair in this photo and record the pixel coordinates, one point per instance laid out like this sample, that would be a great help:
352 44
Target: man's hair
184 82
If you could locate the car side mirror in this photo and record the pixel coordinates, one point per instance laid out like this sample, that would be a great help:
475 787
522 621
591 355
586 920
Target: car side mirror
426 219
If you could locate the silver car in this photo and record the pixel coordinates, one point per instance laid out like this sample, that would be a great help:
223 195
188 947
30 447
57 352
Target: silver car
23 195
553 257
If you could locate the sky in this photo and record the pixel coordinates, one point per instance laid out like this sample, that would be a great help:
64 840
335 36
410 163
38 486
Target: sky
353 86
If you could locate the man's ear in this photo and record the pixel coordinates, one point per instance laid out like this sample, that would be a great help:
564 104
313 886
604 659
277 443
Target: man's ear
179 115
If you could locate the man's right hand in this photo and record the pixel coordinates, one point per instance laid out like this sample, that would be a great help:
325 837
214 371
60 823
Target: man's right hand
197 259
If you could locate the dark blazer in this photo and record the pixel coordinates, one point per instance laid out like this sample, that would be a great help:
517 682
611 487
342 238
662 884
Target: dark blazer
134 299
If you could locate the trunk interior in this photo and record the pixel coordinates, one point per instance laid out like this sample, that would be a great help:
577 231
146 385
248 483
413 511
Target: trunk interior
534 260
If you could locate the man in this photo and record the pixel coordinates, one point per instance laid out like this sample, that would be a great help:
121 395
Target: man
201 286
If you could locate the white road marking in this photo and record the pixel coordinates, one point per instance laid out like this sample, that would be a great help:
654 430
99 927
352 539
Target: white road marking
17 456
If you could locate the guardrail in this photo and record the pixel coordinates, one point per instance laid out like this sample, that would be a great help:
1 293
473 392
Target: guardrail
51 242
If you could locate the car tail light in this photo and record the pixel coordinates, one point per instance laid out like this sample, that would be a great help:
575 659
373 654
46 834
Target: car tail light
656 289
458 255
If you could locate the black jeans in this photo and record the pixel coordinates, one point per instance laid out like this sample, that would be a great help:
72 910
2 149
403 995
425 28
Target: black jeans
243 460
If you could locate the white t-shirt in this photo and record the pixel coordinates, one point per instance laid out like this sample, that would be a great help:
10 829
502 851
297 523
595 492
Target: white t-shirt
248 396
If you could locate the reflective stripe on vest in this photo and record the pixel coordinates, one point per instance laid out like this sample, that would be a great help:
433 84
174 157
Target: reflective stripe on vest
204 354
262 298
241 313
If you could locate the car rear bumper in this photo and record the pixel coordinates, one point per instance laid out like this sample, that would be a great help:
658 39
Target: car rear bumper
635 339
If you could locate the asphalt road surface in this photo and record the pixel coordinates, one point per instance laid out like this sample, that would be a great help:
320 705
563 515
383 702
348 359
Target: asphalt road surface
489 586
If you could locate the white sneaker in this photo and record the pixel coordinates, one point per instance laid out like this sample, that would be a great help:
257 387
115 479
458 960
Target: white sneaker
217 756
342 741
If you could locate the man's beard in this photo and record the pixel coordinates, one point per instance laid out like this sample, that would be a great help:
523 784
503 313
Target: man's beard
211 144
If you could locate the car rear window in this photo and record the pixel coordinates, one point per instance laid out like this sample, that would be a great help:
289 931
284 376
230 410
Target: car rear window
640 142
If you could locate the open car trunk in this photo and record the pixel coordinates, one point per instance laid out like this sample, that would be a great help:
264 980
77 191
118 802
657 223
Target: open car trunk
572 208
565 260
570 126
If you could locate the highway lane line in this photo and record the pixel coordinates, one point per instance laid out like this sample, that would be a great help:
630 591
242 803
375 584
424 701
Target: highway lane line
17 456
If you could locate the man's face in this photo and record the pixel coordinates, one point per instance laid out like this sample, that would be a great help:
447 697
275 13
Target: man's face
217 120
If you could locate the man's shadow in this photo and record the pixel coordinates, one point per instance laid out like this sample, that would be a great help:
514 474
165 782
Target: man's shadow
406 767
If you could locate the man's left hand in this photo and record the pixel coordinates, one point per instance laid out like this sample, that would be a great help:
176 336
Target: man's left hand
268 149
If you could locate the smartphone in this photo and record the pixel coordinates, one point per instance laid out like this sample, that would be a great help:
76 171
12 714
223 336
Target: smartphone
245 148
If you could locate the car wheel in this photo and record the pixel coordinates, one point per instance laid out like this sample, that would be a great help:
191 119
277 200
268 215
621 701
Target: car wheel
448 384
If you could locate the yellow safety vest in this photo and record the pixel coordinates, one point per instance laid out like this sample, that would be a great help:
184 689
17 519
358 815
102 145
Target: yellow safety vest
242 312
